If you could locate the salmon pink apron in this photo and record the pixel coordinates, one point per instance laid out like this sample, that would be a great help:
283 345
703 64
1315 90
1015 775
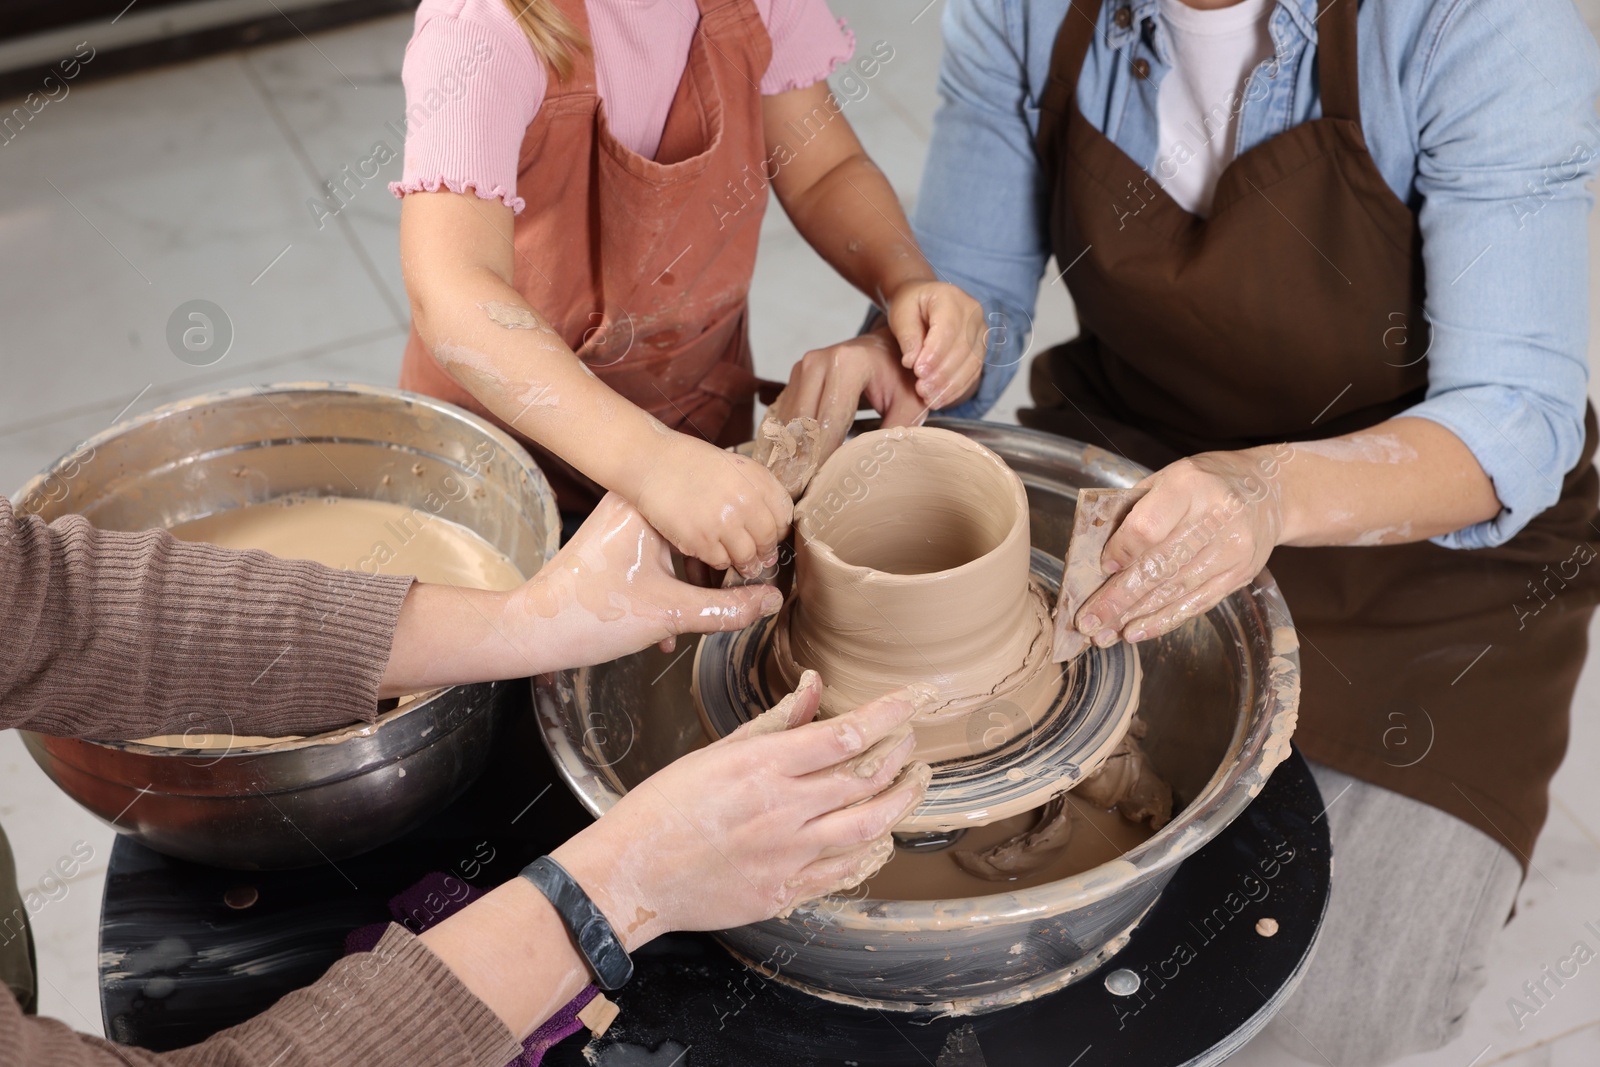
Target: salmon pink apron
637 262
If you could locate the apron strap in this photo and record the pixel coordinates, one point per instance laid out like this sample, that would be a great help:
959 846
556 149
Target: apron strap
1061 88
1338 77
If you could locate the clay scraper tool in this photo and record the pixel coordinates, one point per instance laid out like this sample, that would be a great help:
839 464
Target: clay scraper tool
1098 514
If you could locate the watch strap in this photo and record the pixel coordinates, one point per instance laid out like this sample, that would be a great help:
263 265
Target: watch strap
591 931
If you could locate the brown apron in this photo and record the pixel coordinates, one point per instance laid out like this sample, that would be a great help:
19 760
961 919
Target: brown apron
644 265
1441 674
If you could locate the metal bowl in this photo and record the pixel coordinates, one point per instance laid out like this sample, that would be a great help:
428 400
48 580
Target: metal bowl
296 803
1220 695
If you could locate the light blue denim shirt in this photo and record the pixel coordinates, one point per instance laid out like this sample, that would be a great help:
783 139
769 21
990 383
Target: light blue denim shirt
1479 114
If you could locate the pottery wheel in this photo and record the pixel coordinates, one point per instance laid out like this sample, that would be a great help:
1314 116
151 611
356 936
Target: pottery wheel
1088 716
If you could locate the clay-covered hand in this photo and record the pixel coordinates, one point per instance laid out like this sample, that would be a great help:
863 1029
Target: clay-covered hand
719 507
782 811
942 338
1205 529
612 591
829 385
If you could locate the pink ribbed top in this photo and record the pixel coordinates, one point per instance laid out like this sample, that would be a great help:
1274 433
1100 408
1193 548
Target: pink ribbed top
473 84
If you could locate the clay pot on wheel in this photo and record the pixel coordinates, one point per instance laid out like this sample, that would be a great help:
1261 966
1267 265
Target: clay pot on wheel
912 564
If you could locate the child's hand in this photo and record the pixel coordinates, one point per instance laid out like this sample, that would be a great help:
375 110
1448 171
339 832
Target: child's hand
942 338
828 384
721 508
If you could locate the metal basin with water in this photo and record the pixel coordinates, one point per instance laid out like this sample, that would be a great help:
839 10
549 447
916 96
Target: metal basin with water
296 803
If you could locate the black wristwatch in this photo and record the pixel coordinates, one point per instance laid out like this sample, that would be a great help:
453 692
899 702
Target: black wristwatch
590 930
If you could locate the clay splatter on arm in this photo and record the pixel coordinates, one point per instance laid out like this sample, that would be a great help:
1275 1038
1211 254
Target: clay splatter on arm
514 316
1360 448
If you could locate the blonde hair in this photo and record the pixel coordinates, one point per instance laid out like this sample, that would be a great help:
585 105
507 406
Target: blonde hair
555 40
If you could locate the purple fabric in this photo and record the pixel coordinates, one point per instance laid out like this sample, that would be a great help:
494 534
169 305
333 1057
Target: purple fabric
560 1026
437 897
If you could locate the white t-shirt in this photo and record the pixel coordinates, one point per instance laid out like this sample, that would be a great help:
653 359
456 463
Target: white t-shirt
1213 53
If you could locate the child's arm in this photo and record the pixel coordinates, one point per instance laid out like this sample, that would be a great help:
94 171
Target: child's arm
456 254
845 208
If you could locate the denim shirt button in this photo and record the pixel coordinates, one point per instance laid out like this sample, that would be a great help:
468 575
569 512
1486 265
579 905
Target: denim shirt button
1123 17
1141 68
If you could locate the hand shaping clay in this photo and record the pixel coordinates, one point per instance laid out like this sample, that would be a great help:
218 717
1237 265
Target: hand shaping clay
1098 514
789 451
911 564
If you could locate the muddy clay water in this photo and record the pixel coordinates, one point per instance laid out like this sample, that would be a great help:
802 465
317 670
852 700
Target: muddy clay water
371 536
1098 836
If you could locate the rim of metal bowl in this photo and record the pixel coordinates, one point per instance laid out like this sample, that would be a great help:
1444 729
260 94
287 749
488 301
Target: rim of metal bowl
1256 617
526 467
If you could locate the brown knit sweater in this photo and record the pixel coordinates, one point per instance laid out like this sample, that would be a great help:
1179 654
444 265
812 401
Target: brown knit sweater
116 635
125 635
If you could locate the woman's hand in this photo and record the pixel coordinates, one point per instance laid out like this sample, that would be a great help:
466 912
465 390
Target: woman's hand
719 507
943 340
1205 528
828 384
608 593
612 592
782 811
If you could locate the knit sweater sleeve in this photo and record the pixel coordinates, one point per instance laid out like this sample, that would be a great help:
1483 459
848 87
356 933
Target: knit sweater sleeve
116 635
396 1004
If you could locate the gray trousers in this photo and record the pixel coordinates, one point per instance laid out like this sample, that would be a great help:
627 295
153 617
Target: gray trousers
1418 898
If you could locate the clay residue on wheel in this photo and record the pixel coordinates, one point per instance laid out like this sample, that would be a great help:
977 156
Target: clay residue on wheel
1283 690
789 450
1128 782
1025 853
1125 783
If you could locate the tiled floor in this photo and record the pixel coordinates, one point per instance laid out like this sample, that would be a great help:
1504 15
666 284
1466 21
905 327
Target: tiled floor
127 198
